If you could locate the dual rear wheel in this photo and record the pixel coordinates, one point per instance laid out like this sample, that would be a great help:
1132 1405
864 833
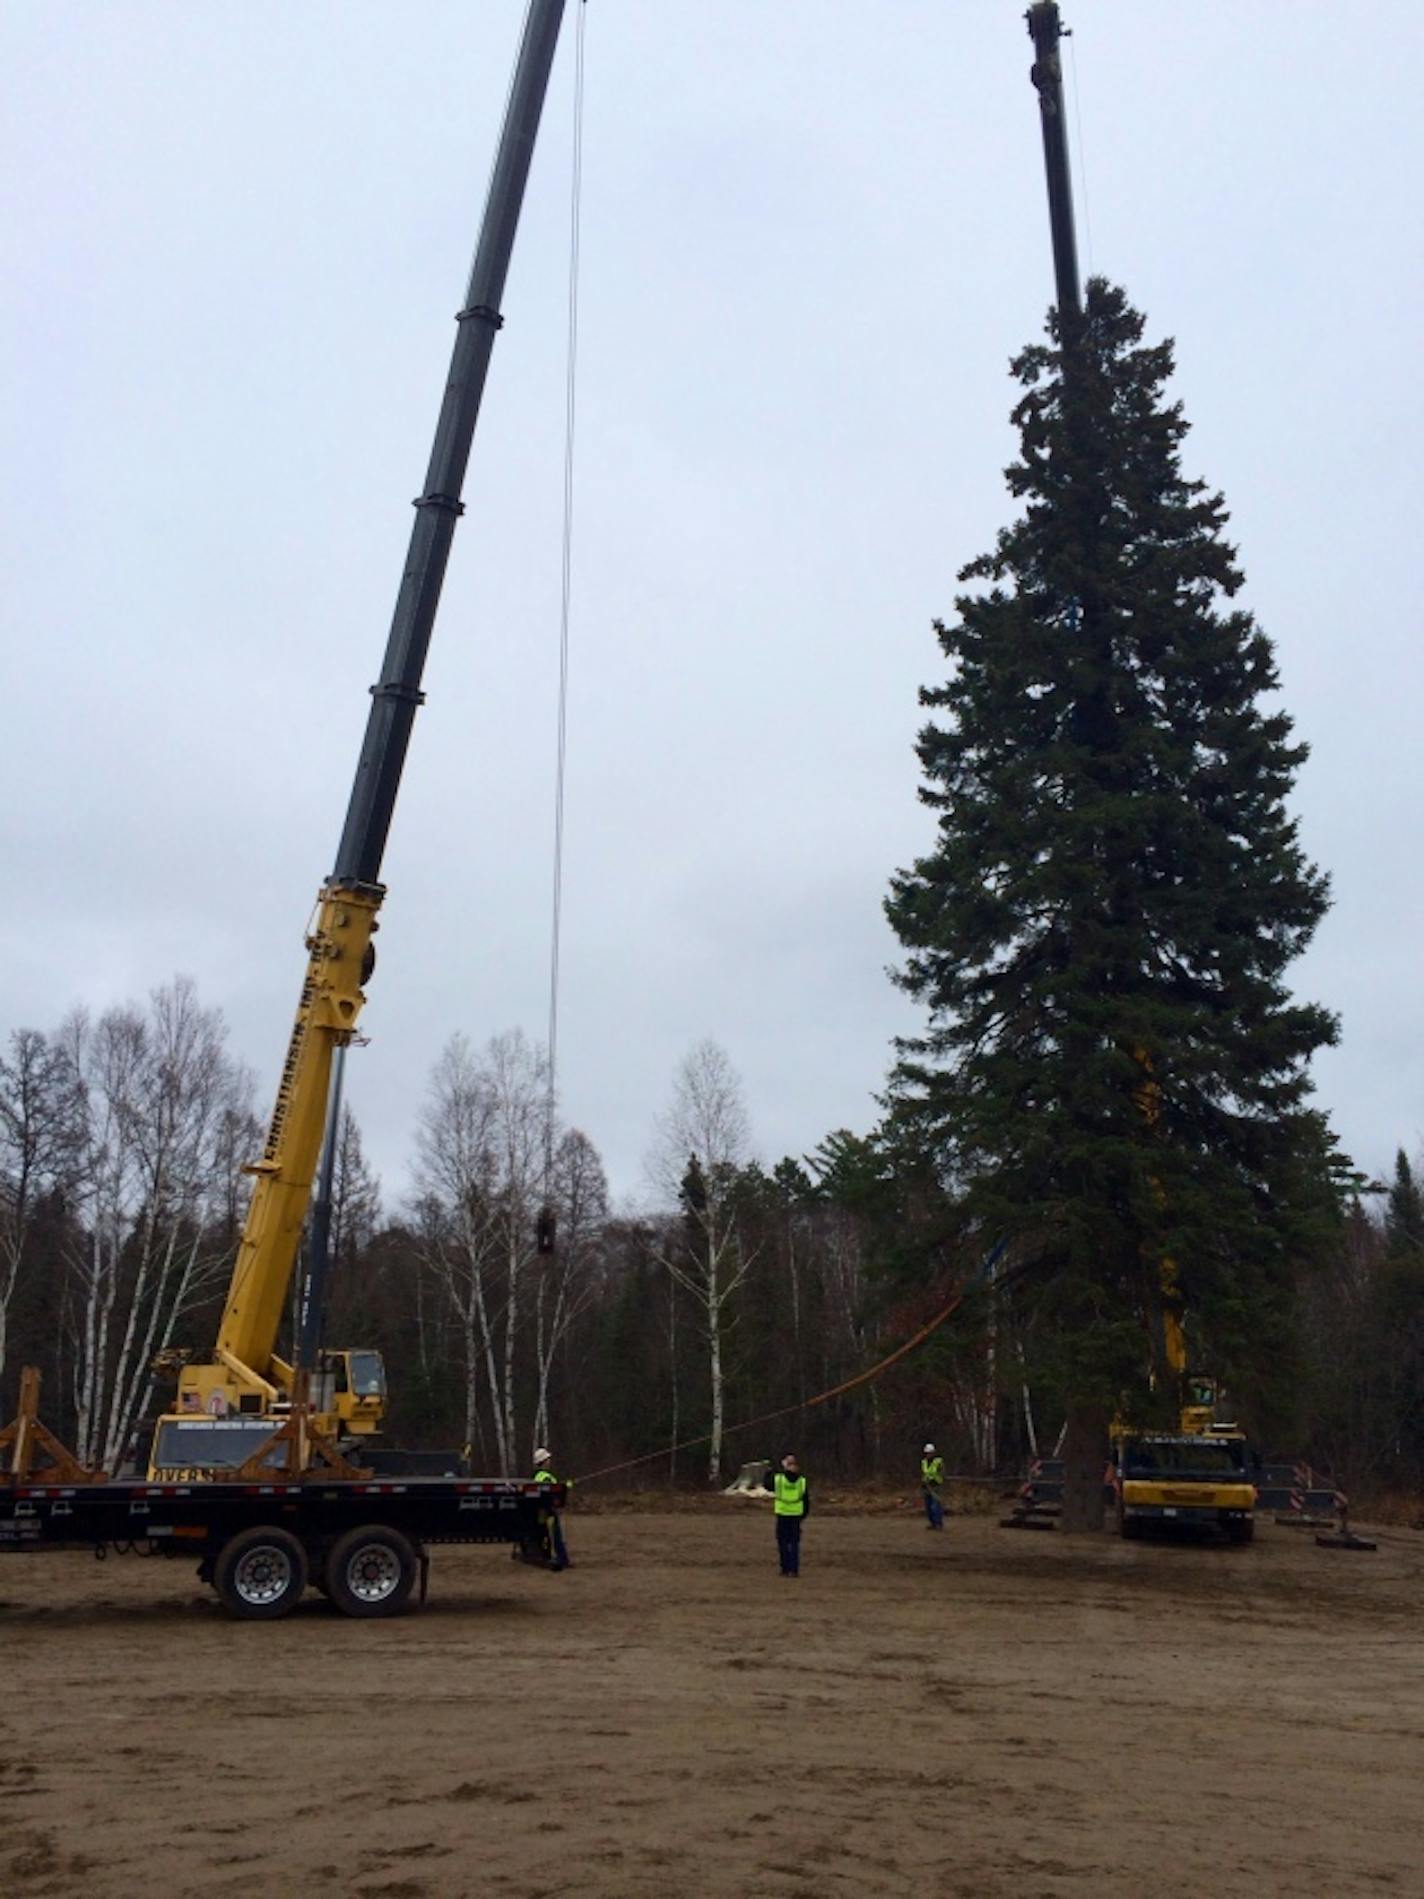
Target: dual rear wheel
260 1574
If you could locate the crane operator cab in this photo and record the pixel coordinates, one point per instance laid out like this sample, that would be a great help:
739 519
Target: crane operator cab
1201 1402
350 1387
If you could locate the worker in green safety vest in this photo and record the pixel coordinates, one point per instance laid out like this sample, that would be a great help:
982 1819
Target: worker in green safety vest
792 1505
555 1549
931 1478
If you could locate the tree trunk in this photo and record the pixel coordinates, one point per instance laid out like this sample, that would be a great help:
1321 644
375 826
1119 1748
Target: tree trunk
714 1333
503 1450
11 1252
472 1396
672 1366
1085 1449
796 1314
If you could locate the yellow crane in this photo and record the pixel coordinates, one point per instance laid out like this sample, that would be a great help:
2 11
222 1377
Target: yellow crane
227 1400
1195 1472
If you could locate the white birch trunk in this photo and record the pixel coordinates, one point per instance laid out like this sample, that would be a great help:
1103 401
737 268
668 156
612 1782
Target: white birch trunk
676 1421
509 1438
471 1383
714 1338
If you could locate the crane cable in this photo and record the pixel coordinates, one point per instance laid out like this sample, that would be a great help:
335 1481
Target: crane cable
835 1391
1082 151
546 1217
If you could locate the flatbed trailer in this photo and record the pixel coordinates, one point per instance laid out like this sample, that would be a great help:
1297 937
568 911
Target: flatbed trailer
362 1544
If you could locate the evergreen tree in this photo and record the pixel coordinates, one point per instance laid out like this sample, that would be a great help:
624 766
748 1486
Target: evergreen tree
1404 1209
1113 1066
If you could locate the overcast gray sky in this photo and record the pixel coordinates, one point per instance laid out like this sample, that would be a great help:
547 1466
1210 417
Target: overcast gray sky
814 232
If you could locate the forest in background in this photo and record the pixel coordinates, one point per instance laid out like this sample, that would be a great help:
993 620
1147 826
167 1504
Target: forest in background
743 1289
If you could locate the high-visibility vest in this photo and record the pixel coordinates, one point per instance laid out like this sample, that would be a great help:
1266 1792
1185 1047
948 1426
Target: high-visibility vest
931 1470
545 1476
790 1495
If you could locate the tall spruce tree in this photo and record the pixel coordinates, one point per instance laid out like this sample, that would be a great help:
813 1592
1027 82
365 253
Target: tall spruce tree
1113 1065
1404 1209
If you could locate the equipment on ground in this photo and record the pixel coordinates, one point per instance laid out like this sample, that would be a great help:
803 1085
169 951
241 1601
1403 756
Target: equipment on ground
226 1402
260 1544
1183 1478
231 1468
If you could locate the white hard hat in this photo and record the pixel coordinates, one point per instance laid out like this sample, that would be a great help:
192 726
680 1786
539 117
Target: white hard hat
542 1457
928 1449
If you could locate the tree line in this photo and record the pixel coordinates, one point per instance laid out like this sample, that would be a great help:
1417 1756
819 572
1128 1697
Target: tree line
740 1289
737 1290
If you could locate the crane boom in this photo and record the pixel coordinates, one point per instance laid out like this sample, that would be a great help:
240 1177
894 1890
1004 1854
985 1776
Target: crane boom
244 1374
1046 30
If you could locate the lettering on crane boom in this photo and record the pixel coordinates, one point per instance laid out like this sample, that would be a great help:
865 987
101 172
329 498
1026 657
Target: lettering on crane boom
289 1070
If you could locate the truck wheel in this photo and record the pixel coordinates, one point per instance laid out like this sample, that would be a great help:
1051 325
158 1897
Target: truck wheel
1241 1532
1128 1528
371 1572
260 1574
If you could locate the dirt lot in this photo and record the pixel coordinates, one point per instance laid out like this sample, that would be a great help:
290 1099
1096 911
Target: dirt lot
970 1713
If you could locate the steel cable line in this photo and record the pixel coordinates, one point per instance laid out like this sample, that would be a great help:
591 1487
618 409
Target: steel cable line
834 1391
546 1223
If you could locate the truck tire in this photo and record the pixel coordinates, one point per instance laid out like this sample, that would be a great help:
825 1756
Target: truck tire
1241 1532
1128 1528
260 1573
371 1571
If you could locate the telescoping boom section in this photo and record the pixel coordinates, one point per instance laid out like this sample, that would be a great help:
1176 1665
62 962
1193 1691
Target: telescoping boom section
244 1375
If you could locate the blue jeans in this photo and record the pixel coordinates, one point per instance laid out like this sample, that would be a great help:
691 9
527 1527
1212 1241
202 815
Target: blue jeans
934 1509
554 1533
788 1544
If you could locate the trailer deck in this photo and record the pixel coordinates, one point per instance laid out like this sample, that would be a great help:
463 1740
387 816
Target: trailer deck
363 1544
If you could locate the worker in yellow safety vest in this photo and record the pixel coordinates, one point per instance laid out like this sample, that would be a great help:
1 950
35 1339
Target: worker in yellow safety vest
792 1505
931 1477
555 1549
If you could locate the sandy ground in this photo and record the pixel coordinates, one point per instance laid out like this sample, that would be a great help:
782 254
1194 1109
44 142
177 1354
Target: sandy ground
977 1712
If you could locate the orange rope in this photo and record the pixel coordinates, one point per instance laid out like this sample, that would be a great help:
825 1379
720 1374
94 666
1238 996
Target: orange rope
805 1404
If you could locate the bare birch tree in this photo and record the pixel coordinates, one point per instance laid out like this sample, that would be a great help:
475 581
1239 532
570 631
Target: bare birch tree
569 1280
454 1148
701 1144
162 1102
480 1169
